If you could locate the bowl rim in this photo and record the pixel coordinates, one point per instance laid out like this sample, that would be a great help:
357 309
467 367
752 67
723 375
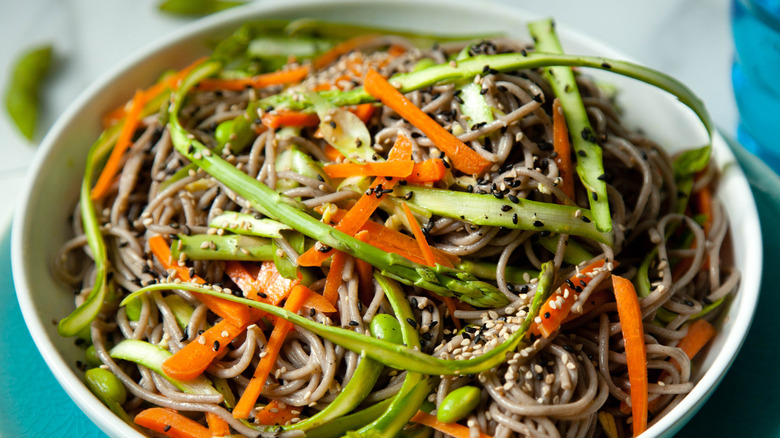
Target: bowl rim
107 421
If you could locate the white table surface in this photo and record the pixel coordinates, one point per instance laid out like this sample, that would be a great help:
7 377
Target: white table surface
689 39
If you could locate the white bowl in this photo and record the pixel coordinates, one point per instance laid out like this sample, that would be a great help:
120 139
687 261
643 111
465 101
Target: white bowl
41 221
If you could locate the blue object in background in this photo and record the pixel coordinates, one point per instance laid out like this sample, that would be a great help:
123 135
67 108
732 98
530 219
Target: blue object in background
756 76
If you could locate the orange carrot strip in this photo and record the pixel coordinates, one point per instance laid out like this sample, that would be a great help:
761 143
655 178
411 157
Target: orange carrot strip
596 299
192 360
464 158
418 234
266 284
396 50
171 81
700 332
400 168
217 426
364 111
343 48
564 298
171 423
332 153
703 200
123 142
280 77
431 170
273 414
275 341
274 120
562 149
319 303
630 316
360 213
238 314
334 279
452 429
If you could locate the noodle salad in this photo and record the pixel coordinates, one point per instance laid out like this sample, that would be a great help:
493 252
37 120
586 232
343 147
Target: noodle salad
328 230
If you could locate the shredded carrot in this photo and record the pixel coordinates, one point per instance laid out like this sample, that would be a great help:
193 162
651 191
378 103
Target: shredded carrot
333 154
418 234
452 429
464 158
281 328
276 119
700 332
123 142
703 200
171 423
275 415
630 316
280 77
343 48
399 168
365 273
596 299
364 111
557 307
169 82
334 279
192 360
217 426
360 213
431 170
238 314
562 149
319 303
396 50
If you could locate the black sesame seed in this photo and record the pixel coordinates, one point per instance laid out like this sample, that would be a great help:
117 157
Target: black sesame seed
538 98
324 248
262 295
585 219
354 323
603 177
595 196
506 207
414 302
446 164
513 199
216 345
547 315
570 283
582 153
498 195
514 218
332 124
412 322
432 324
538 223
606 65
312 312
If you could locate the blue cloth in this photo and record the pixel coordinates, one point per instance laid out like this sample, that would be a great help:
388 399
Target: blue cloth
747 398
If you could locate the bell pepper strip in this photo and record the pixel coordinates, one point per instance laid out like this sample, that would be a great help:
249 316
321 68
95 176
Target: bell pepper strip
440 280
281 77
171 423
124 141
237 315
226 247
275 415
451 429
630 316
562 149
514 213
361 212
557 307
463 157
275 341
400 168
419 236
431 170
388 353
590 165
217 426
153 357
192 360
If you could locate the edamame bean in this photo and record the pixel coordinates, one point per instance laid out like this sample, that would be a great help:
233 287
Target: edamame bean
91 357
224 129
109 389
458 404
386 327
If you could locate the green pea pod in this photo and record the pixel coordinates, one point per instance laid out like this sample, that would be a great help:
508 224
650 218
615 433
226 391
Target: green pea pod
196 7
21 98
109 389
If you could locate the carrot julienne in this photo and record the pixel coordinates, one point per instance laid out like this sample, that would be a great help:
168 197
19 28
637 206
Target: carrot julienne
630 316
252 392
360 213
464 158
452 429
418 234
217 426
400 168
343 48
335 277
562 148
171 423
274 414
280 77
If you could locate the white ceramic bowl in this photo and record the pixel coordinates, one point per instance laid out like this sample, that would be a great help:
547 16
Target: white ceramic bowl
41 221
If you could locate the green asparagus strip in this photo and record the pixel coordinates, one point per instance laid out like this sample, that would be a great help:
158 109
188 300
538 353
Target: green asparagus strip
523 214
152 357
488 270
226 247
385 352
573 254
590 166
181 309
339 426
246 224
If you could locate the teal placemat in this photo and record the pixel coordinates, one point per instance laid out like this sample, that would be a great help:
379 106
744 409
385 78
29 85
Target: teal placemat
745 403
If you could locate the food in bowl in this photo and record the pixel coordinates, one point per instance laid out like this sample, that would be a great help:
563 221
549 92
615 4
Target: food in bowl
320 229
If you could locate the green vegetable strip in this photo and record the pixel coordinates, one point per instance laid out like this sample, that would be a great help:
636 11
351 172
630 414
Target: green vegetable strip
385 352
416 386
196 7
524 214
88 310
152 357
573 254
340 426
243 223
590 165
227 247
21 98
488 270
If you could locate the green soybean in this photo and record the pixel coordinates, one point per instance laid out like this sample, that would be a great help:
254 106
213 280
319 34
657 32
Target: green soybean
386 327
91 358
458 404
109 389
223 131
